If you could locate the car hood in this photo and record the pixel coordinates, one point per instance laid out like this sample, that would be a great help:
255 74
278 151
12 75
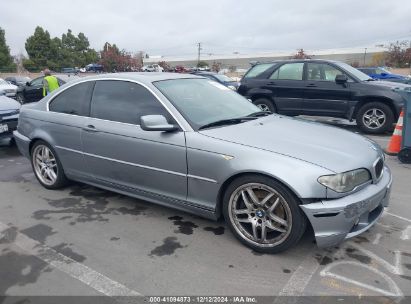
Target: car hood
390 84
8 104
329 147
8 87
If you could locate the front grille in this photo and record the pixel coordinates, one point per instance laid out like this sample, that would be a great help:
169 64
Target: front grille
378 168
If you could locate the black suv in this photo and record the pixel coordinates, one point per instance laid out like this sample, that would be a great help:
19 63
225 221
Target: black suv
323 88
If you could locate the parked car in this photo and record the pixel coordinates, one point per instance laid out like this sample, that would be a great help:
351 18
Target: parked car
7 89
180 69
223 79
18 80
70 70
184 142
9 113
323 88
380 73
33 90
152 68
93 67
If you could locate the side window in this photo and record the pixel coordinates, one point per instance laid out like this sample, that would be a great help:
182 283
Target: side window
289 71
37 81
124 101
331 72
74 100
322 72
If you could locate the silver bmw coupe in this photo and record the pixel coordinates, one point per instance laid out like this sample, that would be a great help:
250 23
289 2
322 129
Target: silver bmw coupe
189 143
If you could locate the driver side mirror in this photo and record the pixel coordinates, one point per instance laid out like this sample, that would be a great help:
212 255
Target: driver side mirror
28 83
156 123
341 79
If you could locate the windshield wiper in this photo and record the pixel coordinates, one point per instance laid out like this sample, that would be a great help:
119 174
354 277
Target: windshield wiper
230 121
370 79
259 114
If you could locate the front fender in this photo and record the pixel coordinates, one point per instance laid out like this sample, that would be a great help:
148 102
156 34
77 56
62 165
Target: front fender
212 162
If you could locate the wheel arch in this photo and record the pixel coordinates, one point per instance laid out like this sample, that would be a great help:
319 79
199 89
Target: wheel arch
368 99
237 175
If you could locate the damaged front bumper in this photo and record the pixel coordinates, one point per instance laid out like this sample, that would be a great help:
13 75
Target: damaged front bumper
338 219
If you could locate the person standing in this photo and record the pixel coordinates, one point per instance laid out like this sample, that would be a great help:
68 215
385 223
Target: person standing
50 82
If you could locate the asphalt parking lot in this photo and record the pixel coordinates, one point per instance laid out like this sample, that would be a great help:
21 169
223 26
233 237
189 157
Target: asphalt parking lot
87 241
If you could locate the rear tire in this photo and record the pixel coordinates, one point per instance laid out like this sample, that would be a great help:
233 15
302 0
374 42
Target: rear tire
263 214
375 118
265 105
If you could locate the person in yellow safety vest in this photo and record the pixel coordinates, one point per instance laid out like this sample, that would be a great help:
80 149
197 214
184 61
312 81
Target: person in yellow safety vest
50 82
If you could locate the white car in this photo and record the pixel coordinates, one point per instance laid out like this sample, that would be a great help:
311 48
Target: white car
152 68
7 89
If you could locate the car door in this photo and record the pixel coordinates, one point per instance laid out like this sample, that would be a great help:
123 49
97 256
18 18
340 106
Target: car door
119 153
323 96
287 86
34 91
68 113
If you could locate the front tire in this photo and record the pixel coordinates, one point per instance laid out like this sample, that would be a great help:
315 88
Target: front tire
265 105
375 118
263 214
47 166
20 98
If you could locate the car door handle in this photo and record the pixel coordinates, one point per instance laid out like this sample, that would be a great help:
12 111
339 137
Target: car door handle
311 85
271 83
90 128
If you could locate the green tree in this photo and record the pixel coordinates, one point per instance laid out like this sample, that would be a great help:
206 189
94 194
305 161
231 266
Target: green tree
6 60
202 64
39 47
56 53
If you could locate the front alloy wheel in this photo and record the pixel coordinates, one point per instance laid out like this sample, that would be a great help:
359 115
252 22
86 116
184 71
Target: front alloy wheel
260 214
263 214
375 117
46 166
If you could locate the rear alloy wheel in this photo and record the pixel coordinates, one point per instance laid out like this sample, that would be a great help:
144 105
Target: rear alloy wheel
46 166
263 214
265 105
375 117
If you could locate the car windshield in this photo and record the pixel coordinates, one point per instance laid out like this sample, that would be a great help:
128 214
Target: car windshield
381 71
355 72
203 101
223 78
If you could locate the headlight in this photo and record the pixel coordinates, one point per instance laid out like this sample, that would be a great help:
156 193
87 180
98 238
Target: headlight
345 182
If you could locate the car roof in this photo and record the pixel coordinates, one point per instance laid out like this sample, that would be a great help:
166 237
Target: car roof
143 77
295 60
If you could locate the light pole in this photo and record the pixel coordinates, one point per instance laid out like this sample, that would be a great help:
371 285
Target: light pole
199 52
365 54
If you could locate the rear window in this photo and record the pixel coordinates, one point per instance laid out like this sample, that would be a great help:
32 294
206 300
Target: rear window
258 69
